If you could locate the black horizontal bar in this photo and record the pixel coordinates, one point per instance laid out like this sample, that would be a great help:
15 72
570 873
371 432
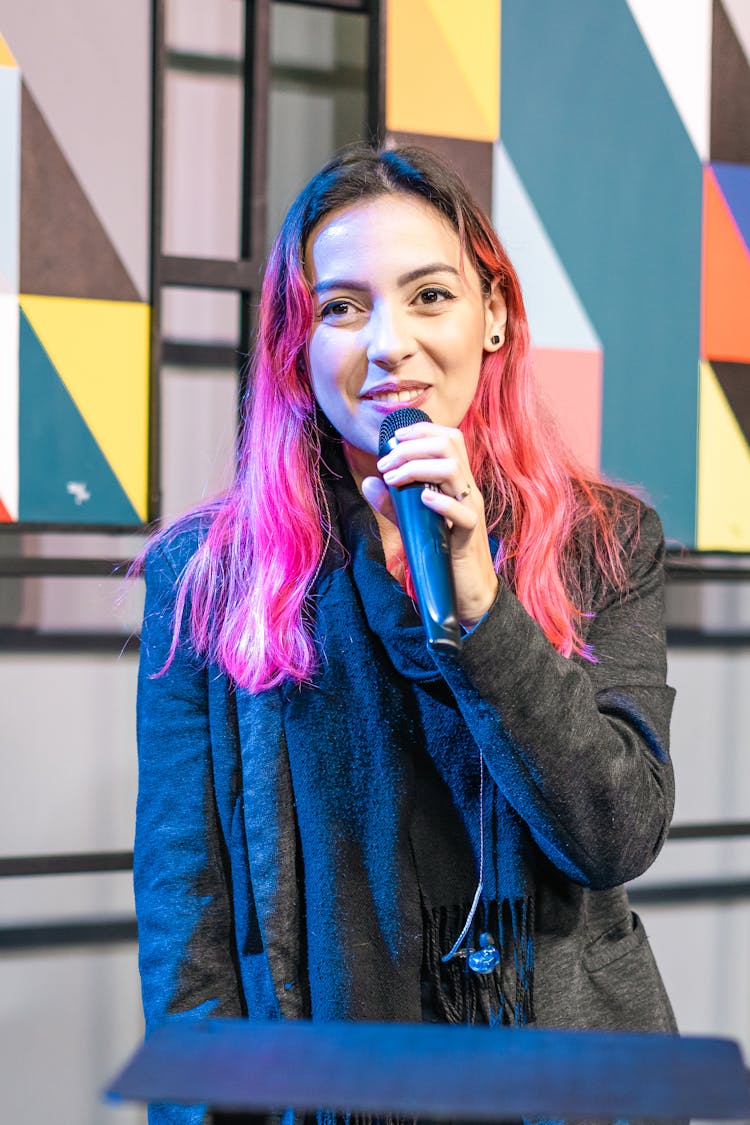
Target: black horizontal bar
65 863
21 639
684 893
56 935
23 527
85 863
341 77
201 62
693 572
242 275
698 569
39 566
109 931
711 830
195 354
678 637
341 5
13 639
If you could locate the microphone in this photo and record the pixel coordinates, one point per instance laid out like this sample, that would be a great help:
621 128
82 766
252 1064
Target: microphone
425 538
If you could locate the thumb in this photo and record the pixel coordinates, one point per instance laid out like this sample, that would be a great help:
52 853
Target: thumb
376 493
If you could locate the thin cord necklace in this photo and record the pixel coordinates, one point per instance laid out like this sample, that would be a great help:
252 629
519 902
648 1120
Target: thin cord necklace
484 959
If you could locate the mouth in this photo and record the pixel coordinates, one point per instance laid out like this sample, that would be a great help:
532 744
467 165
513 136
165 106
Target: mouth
391 395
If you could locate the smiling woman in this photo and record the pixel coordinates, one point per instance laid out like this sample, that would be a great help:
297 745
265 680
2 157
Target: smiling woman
333 821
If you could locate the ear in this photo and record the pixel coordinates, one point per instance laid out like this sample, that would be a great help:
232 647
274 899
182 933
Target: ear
495 319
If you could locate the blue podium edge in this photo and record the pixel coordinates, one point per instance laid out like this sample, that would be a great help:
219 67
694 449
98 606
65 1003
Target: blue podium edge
437 1071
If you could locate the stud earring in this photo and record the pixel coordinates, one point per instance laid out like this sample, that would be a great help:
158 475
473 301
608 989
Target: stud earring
495 340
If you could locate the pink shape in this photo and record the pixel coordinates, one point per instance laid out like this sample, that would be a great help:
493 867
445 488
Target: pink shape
571 384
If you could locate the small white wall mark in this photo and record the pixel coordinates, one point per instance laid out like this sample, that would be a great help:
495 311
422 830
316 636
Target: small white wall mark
79 491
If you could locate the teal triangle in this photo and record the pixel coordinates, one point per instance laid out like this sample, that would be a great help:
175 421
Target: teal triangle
63 475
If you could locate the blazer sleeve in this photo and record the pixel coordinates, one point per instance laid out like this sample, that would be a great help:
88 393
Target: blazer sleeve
580 750
185 927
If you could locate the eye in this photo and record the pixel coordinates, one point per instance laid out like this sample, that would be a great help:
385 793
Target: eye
434 295
336 310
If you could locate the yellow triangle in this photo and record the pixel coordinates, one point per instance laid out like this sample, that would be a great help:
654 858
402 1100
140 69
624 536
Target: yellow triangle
426 87
6 55
723 472
100 350
472 33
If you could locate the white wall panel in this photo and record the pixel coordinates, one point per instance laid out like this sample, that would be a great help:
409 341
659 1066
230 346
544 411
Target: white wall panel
68 1022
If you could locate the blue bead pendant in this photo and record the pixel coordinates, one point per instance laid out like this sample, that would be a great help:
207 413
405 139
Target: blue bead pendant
484 959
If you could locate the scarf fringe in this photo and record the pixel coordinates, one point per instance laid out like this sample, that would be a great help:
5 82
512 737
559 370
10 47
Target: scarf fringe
325 1118
502 998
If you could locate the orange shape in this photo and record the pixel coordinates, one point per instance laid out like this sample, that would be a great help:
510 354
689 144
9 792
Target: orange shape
725 297
443 68
570 381
6 56
5 516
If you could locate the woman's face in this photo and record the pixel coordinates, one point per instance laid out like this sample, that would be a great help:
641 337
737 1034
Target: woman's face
399 319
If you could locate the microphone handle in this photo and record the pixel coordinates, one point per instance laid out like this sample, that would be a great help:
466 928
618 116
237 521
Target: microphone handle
425 538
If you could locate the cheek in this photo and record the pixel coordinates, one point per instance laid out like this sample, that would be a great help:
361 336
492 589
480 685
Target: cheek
464 354
322 369
331 358
462 336
463 348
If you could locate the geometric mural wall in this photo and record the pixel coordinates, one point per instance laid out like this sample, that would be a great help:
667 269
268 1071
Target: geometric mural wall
611 142
74 324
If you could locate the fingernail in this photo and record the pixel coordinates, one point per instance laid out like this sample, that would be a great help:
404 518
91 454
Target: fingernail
389 476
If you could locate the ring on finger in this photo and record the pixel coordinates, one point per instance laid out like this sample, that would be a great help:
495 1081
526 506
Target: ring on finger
463 494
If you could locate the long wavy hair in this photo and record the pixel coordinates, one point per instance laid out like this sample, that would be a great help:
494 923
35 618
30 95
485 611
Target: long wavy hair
245 588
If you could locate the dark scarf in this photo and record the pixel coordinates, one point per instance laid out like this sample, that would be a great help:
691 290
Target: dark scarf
386 780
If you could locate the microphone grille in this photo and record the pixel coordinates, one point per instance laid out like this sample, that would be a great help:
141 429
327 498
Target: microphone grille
404 416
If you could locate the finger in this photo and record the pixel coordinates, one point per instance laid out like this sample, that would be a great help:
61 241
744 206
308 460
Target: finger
460 515
434 446
444 472
430 432
425 429
378 497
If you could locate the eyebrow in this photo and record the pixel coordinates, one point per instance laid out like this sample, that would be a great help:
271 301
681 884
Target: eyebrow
404 279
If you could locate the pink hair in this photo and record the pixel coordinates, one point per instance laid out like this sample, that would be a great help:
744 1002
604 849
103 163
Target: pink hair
248 581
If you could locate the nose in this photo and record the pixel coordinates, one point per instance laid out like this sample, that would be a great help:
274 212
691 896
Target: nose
390 339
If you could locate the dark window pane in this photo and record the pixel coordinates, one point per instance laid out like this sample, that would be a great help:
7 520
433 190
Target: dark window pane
318 96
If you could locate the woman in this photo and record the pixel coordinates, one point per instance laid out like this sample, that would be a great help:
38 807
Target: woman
333 821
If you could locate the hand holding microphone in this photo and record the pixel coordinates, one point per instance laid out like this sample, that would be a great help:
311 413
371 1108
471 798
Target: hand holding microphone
433 460
425 537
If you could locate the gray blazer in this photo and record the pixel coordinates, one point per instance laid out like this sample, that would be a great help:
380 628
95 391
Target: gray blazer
216 866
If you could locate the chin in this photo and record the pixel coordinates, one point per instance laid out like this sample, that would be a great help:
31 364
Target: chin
364 438
367 444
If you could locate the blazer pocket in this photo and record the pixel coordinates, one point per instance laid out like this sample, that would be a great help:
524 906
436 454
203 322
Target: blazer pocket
620 939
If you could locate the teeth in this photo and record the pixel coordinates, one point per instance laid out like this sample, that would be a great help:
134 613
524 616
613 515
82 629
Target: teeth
397 396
